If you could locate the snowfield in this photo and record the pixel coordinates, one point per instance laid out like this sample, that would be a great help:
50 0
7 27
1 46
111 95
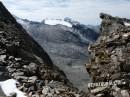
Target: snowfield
9 87
23 22
56 22
126 24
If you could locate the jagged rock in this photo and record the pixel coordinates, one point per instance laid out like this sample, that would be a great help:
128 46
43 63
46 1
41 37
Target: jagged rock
32 79
2 58
111 58
46 90
32 68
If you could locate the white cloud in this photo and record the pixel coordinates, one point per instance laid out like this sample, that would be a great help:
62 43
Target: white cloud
85 11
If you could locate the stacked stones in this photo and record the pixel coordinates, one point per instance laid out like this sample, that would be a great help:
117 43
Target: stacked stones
110 58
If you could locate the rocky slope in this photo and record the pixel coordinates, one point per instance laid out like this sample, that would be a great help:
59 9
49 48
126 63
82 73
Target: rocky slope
65 45
109 66
22 59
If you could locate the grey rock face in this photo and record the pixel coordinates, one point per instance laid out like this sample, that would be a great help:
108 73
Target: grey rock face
1 93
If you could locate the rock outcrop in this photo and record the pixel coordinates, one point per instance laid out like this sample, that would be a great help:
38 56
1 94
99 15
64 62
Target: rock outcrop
109 66
21 58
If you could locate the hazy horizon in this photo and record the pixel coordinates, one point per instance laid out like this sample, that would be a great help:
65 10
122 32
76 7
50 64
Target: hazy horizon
84 11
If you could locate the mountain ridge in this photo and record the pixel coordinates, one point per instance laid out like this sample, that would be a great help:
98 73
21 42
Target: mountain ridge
67 46
24 60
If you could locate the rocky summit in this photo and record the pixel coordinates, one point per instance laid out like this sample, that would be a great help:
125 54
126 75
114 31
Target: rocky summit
109 66
22 59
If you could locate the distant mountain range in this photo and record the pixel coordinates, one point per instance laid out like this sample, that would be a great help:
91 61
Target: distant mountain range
66 42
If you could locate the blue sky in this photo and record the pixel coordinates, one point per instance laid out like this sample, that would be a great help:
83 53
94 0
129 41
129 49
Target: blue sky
84 11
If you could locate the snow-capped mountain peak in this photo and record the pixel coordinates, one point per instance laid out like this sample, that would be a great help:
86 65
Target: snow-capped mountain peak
56 22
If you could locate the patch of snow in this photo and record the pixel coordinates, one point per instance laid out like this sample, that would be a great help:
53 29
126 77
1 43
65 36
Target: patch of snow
22 22
126 24
56 22
9 87
82 37
125 35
